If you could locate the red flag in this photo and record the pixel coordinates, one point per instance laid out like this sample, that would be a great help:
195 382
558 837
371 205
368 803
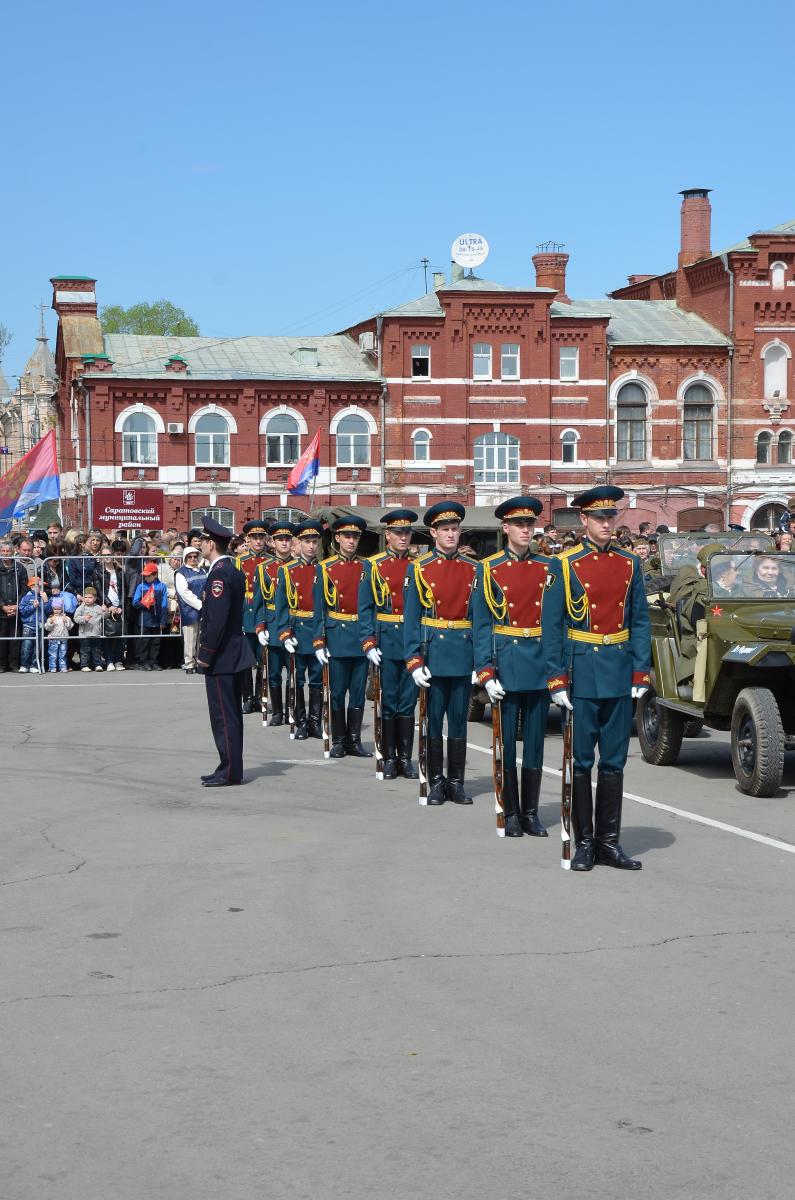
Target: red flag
305 469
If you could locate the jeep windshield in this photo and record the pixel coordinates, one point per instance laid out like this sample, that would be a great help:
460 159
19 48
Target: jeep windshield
755 576
678 550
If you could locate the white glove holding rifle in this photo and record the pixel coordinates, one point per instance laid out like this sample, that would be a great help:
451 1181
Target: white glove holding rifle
374 656
262 637
494 690
290 644
421 676
561 698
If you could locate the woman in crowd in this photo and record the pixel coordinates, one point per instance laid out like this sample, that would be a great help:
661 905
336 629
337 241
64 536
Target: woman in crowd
112 596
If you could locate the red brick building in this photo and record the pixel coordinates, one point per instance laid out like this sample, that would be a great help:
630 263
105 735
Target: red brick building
474 390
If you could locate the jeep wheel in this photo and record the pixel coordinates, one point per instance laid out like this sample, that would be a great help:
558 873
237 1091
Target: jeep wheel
660 730
757 742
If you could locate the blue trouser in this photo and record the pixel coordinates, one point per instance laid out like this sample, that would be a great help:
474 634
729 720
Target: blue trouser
56 652
277 661
308 665
28 656
348 675
533 708
225 704
605 723
398 689
254 646
448 696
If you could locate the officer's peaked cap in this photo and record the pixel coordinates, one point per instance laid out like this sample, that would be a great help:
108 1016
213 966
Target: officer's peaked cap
350 524
445 510
255 526
599 500
399 518
281 529
216 531
517 507
309 529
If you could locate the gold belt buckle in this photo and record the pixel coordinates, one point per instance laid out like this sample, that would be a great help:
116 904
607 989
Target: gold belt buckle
450 624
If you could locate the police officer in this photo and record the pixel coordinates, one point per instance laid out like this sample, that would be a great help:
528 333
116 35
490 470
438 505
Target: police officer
342 574
281 534
299 623
381 594
223 655
510 592
249 560
596 635
438 646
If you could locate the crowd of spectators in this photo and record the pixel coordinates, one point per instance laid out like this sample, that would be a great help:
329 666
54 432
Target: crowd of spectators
85 601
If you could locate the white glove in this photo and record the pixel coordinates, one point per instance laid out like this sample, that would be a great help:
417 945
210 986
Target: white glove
639 690
322 656
495 690
375 656
262 637
561 698
421 676
474 677
290 644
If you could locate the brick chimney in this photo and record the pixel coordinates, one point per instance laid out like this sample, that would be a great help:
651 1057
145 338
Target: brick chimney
696 219
74 294
550 264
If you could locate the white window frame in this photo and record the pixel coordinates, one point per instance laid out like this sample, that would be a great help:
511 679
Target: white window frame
479 356
700 382
491 448
159 427
425 436
573 360
506 348
619 406
282 460
213 436
778 276
418 351
768 383
224 516
569 437
350 461
768 435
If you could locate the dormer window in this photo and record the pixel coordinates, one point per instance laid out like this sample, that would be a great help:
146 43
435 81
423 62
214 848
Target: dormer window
306 356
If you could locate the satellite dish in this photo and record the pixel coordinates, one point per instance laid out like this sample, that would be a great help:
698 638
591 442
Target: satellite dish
469 250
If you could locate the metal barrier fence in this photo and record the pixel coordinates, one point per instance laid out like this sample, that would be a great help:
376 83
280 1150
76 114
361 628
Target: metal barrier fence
130 631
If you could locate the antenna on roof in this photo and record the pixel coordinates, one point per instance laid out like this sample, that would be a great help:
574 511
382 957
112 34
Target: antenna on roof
425 263
469 250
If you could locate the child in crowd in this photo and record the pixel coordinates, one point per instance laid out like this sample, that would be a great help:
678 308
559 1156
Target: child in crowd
31 614
151 601
57 626
89 616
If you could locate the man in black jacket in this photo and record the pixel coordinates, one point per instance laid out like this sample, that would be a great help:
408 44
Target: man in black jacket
223 654
13 585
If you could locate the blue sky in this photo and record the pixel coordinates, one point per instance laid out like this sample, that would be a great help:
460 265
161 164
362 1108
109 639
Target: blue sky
284 169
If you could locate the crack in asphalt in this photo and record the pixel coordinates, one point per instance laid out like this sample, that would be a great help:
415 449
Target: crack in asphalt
398 958
48 874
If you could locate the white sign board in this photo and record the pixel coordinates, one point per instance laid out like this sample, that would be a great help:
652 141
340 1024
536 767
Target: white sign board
469 250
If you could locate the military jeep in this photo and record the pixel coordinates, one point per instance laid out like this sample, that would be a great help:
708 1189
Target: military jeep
741 676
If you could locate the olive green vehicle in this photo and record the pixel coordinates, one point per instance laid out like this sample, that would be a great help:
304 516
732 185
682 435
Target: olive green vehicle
741 674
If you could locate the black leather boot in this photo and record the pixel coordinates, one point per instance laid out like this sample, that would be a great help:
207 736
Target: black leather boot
582 821
388 752
531 790
337 733
456 769
510 803
353 738
301 731
277 709
437 784
404 735
609 796
314 724
248 693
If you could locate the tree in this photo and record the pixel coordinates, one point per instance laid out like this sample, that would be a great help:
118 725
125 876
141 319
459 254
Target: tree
5 338
162 317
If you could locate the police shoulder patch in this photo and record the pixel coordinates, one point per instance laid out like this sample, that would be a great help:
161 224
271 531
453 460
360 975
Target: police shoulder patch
217 588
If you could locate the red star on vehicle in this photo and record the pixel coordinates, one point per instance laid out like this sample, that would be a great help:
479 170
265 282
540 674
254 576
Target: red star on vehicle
717 611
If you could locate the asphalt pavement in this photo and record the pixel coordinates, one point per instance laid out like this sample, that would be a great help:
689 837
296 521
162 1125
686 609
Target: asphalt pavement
309 986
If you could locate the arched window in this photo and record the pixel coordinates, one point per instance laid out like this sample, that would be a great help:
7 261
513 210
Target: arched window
775 359
697 418
353 442
224 516
421 442
763 443
496 458
631 423
139 440
568 445
778 274
212 441
282 440
784 448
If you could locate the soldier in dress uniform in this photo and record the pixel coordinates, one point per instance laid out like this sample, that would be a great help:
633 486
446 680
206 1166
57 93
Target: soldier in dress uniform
510 592
438 646
299 623
281 534
596 634
381 595
342 574
249 560
223 656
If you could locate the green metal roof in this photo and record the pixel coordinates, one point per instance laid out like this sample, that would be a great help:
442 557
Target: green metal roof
646 322
338 357
787 227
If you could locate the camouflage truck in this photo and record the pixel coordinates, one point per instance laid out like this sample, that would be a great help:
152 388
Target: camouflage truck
741 677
